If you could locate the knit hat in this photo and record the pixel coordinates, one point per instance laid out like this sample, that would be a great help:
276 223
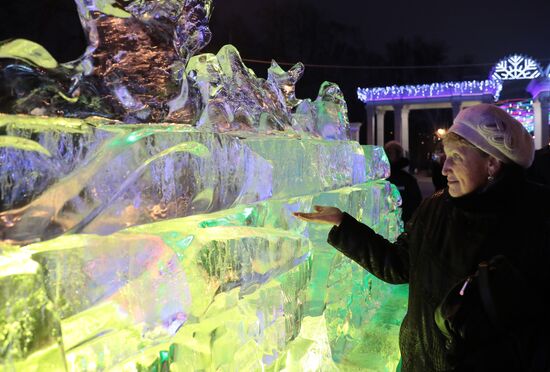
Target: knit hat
495 132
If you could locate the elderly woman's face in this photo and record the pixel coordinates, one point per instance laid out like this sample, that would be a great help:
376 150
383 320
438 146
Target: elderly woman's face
466 169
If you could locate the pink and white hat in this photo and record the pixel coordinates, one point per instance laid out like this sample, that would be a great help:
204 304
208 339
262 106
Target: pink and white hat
495 132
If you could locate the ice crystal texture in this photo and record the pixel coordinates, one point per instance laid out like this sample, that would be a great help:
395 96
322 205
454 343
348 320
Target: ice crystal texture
141 66
146 199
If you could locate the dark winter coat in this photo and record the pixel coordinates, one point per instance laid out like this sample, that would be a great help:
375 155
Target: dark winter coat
442 244
539 171
407 186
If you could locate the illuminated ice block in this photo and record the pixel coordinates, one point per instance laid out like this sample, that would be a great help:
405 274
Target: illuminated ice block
102 177
226 289
151 288
30 332
171 244
336 163
123 175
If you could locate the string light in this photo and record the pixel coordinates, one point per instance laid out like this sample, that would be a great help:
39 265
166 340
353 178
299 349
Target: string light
435 90
522 111
512 67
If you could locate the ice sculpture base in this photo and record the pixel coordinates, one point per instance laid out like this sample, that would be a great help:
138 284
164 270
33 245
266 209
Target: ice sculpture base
246 286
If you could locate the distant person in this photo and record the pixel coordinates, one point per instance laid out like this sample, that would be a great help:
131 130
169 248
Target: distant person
438 159
539 172
485 236
404 181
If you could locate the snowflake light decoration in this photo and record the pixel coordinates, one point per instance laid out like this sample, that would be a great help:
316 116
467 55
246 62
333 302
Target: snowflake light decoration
516 67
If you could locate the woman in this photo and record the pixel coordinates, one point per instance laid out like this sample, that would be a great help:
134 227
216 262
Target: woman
487 210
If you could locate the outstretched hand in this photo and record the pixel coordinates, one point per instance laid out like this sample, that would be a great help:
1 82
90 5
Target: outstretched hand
322 214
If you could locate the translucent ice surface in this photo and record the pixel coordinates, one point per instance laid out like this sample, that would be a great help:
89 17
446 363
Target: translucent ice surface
30 332
192 258
99 178
141 66
146 200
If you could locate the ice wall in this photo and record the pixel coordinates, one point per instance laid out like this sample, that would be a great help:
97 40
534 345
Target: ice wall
226 279
146 199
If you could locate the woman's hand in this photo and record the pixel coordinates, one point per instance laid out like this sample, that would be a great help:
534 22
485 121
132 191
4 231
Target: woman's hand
322 214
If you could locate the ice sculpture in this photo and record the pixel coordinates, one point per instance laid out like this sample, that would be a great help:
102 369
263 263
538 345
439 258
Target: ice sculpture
133 68
234 98
139 68
161 246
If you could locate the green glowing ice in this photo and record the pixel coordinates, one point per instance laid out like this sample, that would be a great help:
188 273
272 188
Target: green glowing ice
251 305
28 51
194 148
106 7
247 287
22 144
125 139
42 124
239 218
178 242
29 326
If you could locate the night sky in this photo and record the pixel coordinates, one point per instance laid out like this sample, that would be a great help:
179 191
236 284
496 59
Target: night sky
486 29
483 30
472 34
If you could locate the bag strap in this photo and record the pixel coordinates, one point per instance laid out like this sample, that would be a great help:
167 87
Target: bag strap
485 293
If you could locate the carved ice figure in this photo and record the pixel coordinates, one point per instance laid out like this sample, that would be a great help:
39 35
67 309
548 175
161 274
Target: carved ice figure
133 68
327 116
234 98
286 81
332 112
139 67
139 50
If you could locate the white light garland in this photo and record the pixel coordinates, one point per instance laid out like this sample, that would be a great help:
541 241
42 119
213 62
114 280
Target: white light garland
436 90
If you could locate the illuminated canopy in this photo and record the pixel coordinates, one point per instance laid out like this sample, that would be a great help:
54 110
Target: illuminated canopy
513 67
386 95
459 94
